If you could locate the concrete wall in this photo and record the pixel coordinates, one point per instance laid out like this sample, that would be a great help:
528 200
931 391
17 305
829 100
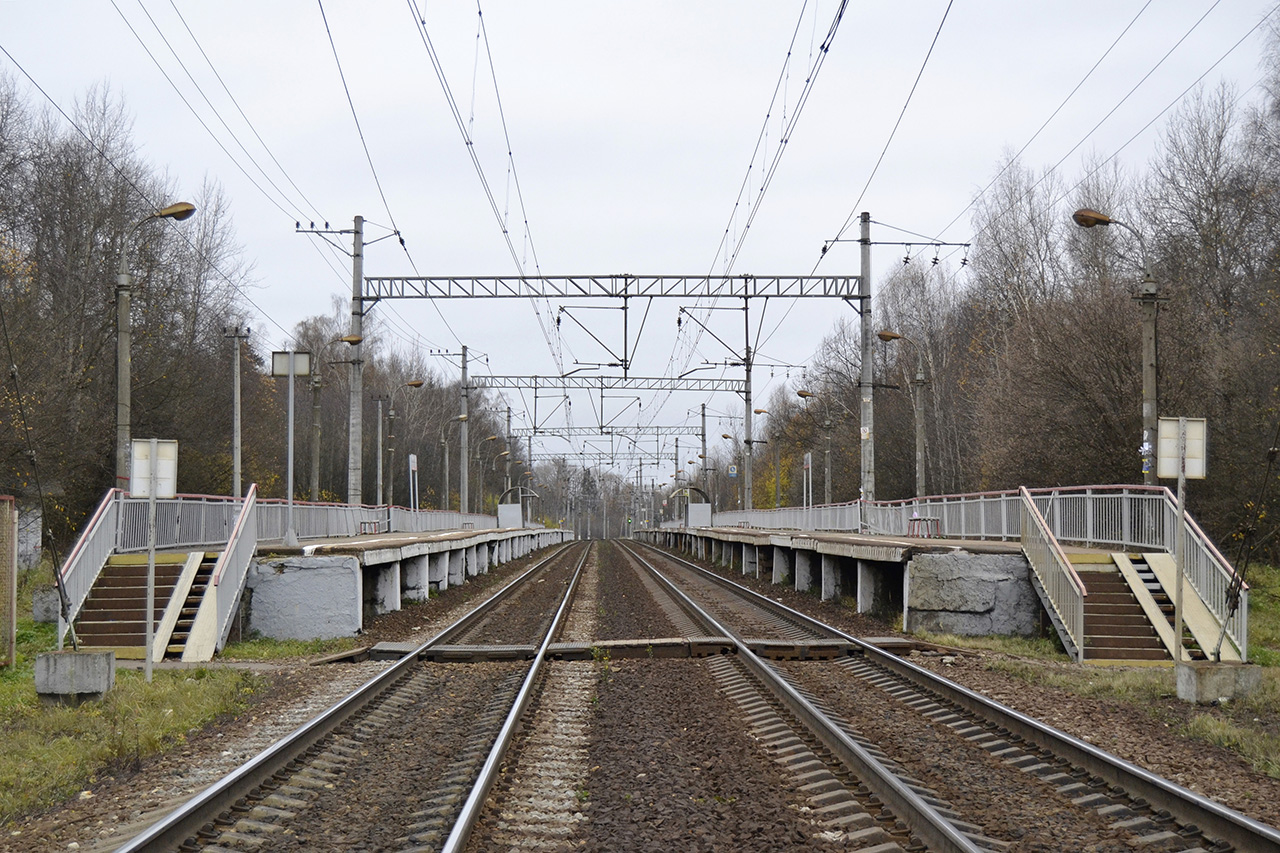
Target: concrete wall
306 598
319 596
968 593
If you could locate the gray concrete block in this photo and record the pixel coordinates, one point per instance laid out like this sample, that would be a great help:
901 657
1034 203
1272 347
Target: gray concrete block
975 594
306 598
1207 682
69 678
45 605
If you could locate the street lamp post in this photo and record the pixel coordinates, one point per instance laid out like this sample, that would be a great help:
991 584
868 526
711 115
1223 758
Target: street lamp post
917 404
493 467
444 459
479 454
1149 298
391 437
124 338
826 454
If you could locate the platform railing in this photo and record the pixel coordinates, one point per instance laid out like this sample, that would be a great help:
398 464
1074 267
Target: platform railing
1118 517
1061 584
232 569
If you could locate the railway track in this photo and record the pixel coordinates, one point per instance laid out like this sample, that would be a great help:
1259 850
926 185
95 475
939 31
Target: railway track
618 697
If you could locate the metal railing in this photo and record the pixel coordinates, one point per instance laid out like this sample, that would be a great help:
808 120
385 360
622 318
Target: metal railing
423 520
232 568
187 521
85 562
1061 584
1119 517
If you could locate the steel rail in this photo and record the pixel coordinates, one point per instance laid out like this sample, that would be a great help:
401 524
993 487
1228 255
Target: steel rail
470 812
205 807
1216 821
925 822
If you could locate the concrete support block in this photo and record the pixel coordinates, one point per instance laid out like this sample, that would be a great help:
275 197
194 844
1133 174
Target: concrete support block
386 587
482 551
971 594
866 587
1207 682
414 573
306 598
438 573
781 564
457 569
717 552
804 570
69 678
473 561
750 560
831 586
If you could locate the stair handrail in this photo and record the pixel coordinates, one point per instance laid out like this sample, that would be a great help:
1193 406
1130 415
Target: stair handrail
233 563
83 565
1061 583
1211 575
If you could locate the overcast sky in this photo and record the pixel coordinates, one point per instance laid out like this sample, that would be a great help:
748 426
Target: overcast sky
631 125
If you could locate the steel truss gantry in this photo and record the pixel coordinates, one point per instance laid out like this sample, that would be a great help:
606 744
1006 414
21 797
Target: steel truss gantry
624 286
624 431
608 383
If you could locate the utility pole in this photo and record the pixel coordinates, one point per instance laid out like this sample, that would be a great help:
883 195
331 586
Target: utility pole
355 437
315 431
746 419
866 379
237 334
704 452
507 466
380 494
464 468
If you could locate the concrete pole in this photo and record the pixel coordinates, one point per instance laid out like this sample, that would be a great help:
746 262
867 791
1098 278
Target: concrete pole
379 489
506 482
866 380
1150 301
391 447
444 458
746 419
124 389
464 468
236 334
919 413
355 436
315 434
704 454
290 535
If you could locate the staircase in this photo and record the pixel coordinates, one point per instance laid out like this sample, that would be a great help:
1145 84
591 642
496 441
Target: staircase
1116 625
112 617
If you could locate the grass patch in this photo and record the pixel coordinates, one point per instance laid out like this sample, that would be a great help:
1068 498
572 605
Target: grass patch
1260 749
1038 648
262 648
1137 686
1264 615
52 752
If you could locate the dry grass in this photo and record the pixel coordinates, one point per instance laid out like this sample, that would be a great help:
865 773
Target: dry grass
51 752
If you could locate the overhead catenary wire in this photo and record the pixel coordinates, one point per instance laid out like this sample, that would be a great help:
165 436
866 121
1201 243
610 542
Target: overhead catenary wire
438 67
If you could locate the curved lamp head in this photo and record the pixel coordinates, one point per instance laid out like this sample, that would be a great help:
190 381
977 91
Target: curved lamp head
725 435
179 211
1087 218
415 383
761 411
886 335
805 394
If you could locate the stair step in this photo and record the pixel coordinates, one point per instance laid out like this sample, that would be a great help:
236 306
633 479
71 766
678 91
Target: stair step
1125 654
1114 642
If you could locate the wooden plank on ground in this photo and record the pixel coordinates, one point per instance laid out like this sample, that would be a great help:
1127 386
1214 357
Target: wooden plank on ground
1200 621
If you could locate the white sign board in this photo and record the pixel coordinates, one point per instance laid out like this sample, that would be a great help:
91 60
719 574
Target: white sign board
413 462
733 470
166 469
1167 466
280 363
